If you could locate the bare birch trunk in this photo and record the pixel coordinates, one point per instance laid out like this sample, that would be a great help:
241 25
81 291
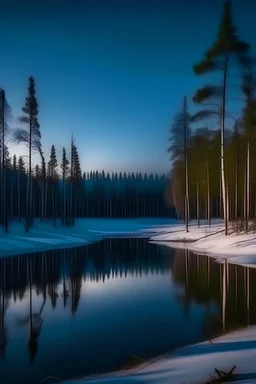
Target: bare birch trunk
247 218
222 128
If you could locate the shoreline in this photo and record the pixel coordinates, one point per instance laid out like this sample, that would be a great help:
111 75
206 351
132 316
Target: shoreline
44 237
193 363
211 241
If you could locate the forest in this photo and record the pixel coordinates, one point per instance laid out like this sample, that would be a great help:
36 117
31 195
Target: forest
212 149
59 189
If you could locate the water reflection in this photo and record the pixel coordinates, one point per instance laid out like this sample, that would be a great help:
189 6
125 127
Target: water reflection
68 307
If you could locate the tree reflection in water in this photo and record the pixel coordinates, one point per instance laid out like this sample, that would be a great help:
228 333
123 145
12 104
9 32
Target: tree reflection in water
58 276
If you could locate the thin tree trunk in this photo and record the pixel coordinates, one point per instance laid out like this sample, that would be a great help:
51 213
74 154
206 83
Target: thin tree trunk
223 111
53 203
208 194
186 166
198 203
247 218
245 177
19 197
227 202
4 200
64 200
71 185
236 176
27 219
30 202
220 202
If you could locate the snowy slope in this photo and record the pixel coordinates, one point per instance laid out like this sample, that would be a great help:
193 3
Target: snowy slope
194 364
237 249
43 236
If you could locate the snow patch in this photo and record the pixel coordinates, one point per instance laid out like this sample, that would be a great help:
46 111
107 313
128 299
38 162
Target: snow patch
236 248
194 364
43 236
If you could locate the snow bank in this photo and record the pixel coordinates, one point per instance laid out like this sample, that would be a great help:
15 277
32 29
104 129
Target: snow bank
194 364
237 249
176 232
43 236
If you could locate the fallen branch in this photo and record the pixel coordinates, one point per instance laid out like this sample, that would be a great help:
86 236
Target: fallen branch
222 376
211 234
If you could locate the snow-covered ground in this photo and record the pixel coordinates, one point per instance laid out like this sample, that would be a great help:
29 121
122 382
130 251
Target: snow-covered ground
194 364
237 249
43 236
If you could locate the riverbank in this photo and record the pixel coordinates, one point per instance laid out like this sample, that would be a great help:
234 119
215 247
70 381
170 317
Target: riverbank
43 236
236 248
194 364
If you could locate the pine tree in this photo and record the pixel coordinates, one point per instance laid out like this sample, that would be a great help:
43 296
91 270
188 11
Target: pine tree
52 165
21 165
32 138
37 171
76 165
77 177
5 114
7 158
64 167
14 163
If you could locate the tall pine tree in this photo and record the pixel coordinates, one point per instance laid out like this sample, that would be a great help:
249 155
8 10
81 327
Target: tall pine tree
32 138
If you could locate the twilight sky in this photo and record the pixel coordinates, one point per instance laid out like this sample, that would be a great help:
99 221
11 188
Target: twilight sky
114 72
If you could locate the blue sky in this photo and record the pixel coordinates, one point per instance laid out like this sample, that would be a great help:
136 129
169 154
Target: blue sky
113 72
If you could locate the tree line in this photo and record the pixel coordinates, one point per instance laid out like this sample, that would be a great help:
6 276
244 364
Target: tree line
56 189
212 150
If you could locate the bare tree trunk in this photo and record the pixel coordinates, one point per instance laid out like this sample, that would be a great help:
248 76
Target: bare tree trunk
27 219
223 181
64 199
71 186
42 202
198 203
245 193
247 215
236 176
220 203
53 202
227 202
4 200
12 211
19 197
186 165
30 202
208 194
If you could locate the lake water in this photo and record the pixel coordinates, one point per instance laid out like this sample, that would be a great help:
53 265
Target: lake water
92 309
